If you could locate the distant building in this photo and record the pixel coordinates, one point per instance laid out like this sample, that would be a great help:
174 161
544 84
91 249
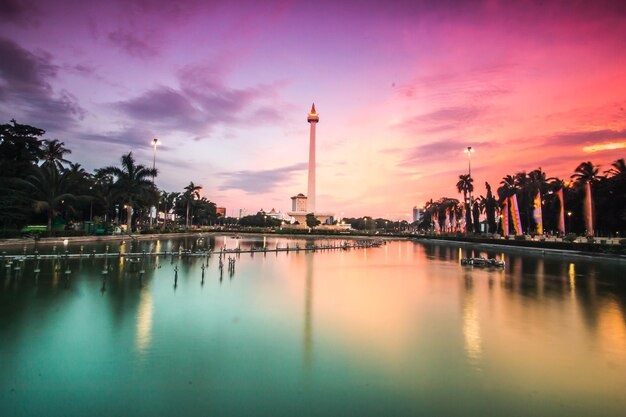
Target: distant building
278 215
243 213
220 211
418 214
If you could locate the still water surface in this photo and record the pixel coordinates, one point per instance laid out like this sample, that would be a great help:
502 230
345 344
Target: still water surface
403 329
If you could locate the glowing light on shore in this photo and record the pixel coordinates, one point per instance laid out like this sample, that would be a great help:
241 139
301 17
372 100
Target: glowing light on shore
605 147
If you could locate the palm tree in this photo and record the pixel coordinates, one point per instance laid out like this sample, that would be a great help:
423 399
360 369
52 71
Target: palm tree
191 193
54 153
618 169
611 204
585 175
49 188
465 185
490 209
168 200
505 191
132 183
586 172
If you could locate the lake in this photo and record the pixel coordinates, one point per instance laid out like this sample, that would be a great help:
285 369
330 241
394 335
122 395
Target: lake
402 329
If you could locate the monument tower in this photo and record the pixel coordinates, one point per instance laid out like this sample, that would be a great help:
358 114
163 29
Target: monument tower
302 205
313 119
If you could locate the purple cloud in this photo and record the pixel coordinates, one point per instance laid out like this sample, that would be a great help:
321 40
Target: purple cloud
16 11
132 44
443 119
26 93
259 182
438 150
203 101
586 137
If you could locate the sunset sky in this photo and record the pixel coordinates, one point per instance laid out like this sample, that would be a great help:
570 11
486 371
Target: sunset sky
402 88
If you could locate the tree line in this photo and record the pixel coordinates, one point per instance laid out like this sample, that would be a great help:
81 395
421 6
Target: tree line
608 202
39 185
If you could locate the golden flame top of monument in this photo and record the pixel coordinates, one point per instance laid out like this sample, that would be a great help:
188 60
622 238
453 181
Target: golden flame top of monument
313 116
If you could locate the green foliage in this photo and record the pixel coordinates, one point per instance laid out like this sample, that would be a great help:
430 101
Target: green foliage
311 220
259 220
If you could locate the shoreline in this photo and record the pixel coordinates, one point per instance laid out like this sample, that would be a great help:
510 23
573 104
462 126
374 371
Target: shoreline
114 238
527 249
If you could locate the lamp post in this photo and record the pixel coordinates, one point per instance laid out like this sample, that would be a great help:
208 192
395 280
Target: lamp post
155 142
91 206
469 152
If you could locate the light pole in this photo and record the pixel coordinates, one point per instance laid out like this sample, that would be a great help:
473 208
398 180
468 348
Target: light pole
155 142
469 152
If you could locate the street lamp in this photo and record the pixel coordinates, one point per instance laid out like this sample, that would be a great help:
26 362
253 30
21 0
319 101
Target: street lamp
469 152
155 142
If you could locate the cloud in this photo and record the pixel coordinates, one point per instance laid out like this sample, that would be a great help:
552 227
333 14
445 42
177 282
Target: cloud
259 182
131 138
15 11
202 101
26 93
585 137
443 119
438 150
132 44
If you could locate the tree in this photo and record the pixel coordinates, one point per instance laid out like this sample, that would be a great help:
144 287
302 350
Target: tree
20 149
205 211
53 153
618 169
490 209
19 153
587 174
611 199
476 214
168 200
466 186
311 220
50 188
191 193
133 183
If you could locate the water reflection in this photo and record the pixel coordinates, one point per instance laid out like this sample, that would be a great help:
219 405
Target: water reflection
349 331
308 314
144 322
471 326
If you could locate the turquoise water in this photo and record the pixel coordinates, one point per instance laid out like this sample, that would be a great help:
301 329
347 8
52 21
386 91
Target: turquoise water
403 329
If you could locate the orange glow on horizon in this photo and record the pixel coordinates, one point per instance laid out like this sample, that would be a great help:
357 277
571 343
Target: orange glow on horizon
605 147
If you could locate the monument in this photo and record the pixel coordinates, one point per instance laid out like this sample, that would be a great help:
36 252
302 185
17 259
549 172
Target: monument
303 205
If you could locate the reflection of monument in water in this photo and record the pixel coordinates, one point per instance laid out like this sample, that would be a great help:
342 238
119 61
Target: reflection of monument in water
308 314
302 205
